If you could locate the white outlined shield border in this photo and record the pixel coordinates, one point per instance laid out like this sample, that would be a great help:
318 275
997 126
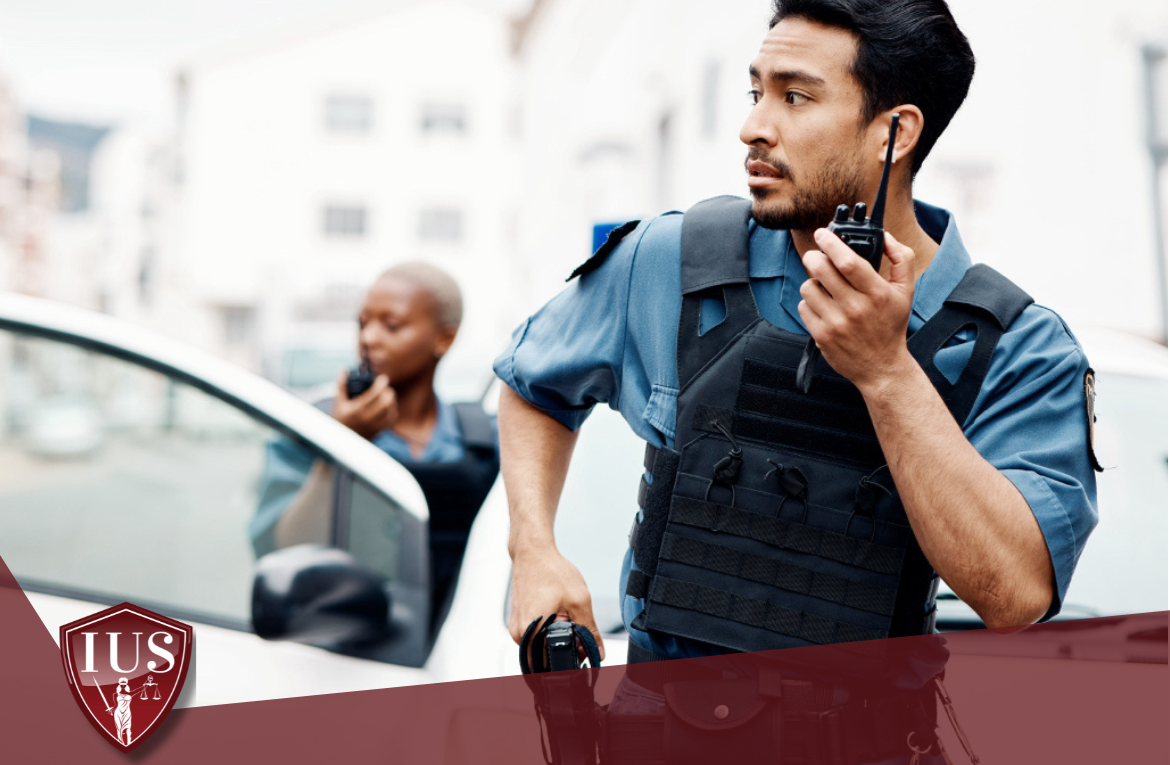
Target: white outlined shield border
182 664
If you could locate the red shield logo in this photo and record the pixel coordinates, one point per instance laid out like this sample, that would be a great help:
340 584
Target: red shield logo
126 666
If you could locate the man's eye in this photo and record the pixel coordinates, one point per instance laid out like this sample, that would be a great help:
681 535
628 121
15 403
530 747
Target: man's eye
793 98
753 96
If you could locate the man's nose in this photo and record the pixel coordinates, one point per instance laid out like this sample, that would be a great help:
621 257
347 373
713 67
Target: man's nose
757 128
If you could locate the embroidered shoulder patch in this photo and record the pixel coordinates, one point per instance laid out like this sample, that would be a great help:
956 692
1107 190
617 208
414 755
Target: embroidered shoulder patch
1091 417
611 240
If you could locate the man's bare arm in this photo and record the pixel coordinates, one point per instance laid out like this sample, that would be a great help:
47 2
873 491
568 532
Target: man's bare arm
973 525
535 451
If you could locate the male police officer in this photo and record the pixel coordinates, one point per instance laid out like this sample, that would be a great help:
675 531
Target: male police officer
963 450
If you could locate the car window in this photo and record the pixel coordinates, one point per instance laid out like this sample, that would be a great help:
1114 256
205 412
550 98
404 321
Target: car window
118 482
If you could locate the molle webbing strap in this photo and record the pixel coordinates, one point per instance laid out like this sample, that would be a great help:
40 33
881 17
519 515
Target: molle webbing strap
654 500
780 575
859 553
774 377
984 300
638 584
832 444
757 613
825 415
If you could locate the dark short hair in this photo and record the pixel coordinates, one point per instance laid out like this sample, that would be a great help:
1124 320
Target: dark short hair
908 52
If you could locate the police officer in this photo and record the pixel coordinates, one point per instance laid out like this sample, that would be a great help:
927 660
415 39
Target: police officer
408 322
963 453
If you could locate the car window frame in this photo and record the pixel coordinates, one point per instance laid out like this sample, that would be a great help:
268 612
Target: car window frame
347 473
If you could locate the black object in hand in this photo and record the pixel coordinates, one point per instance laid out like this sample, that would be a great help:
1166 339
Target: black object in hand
552 646
359 380
865 236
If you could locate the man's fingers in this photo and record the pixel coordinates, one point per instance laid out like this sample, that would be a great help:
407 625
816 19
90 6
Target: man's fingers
586 620
817 299
901 261
821 268
852 267
812 321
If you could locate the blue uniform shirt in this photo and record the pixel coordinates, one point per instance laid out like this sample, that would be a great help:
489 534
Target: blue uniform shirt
611 337
287 466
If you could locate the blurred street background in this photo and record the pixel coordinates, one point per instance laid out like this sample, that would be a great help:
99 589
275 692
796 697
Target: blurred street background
232 173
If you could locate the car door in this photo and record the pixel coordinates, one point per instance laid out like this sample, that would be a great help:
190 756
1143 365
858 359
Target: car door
132 469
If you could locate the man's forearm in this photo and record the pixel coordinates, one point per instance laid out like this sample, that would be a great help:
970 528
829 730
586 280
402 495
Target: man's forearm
973 525
535 451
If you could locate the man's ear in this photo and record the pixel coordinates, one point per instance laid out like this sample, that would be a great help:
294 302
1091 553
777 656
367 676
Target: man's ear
910 123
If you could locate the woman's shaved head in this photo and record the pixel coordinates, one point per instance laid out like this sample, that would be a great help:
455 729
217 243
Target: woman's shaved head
438 284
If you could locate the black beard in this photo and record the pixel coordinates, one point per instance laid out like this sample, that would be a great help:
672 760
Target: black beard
814 202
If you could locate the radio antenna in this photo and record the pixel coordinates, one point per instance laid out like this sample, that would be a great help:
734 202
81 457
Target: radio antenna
879 204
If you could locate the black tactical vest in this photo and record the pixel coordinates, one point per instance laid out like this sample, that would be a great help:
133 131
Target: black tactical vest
774 521
454 492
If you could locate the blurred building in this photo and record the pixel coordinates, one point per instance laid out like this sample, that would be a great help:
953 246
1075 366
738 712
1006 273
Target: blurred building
29 194
1054 167
311 164
106 206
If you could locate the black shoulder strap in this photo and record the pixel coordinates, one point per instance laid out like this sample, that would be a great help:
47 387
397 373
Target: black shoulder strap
984 300
475 426
715 243
615 235
714 265
984 287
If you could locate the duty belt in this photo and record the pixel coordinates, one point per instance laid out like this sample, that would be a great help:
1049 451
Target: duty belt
708 715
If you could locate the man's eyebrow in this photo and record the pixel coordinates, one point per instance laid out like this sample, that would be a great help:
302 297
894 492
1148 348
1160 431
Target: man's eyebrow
790 75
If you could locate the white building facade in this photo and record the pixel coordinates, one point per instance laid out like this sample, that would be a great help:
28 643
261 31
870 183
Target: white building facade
310 165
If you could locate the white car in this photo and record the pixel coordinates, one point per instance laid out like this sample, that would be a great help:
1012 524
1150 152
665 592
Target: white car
159 515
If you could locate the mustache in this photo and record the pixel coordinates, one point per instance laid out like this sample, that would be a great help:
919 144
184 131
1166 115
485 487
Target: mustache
760 155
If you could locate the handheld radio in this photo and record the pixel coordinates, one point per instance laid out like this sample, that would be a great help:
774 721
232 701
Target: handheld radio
360 379
865 236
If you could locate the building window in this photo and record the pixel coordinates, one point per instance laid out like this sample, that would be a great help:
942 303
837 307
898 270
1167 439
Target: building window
441 225
444 118
348 114
239 325
345 222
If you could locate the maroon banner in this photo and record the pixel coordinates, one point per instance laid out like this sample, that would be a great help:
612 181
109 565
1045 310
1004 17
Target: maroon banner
1091 691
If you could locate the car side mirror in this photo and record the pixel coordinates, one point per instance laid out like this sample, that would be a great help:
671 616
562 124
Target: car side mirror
318 595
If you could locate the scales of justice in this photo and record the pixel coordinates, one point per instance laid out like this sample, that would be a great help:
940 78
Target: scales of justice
122 696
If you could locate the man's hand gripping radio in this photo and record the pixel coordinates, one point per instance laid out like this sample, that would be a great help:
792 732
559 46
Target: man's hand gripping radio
865 236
